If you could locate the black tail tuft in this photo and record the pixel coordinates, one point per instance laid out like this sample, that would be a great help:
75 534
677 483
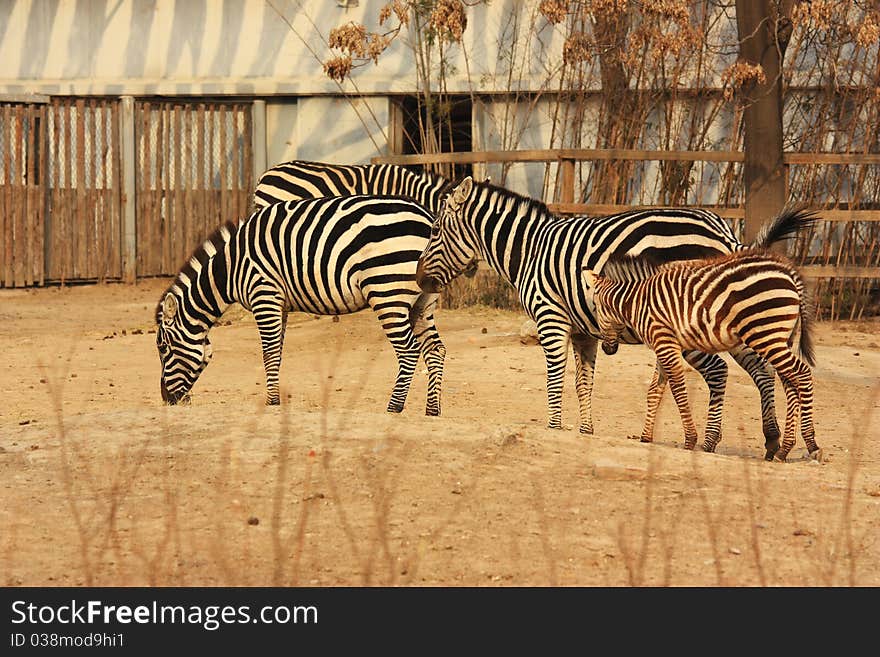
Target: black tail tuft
808 351
789 223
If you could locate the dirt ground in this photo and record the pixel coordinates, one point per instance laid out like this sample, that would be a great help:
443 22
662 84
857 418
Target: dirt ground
104 485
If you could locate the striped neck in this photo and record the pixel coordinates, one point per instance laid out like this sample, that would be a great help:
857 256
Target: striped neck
206 281
505 227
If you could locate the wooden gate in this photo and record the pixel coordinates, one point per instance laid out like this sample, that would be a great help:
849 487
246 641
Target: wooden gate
60 197
194 172
84 223
22 203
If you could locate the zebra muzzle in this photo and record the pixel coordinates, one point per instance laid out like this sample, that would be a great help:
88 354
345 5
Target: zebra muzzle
610 348
427 283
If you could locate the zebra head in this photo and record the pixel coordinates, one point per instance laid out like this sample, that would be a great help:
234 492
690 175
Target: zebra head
611 326
450 250
184 350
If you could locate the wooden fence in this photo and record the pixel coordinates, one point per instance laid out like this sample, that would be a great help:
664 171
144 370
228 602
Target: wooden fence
843 263
21 190
195 172
82 191
63 201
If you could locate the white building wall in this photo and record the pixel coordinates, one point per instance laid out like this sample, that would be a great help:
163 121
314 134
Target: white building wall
342 130
246 47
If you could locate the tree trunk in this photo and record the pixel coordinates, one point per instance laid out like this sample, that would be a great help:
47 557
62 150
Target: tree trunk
764 28
618 127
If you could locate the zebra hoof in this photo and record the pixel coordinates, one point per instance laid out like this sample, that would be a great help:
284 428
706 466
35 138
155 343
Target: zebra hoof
817 455
393 408
273 402
586 431
690 445
709 447
641 439
432 412
771 447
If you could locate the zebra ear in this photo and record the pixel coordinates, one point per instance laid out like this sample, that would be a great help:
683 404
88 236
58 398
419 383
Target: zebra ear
590 278
461 192
169 308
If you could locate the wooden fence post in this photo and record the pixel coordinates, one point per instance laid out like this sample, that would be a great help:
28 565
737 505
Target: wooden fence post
129 218
567 195
258 138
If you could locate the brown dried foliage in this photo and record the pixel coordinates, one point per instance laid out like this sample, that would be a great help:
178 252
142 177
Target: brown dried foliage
449 20
554 11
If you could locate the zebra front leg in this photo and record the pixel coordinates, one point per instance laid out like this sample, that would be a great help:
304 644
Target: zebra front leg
655 396
670 359
554 341
433 350
713 369
269 315
762 374
396 324
284 314
584 347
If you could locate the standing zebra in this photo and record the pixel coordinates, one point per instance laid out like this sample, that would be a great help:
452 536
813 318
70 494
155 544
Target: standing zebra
753 298
541 256
327 256
299 179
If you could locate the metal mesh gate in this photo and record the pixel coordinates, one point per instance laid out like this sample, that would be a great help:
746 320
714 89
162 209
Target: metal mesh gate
194 172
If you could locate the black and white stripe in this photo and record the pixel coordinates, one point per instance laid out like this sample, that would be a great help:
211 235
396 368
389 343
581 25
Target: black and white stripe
327 256
754 298
300 179
541 255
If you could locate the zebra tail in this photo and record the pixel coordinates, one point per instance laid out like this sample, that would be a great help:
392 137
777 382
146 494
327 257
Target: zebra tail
805 327
789 223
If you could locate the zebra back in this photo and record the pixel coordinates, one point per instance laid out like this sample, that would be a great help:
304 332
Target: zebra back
299 179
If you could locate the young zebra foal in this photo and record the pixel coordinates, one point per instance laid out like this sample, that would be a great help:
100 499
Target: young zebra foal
753 298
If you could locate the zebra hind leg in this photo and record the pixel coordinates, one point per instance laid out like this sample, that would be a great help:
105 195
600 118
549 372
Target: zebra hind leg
433 350
713 369
798 383
763 376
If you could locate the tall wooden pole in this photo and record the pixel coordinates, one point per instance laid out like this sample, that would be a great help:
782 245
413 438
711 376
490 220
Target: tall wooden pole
764 29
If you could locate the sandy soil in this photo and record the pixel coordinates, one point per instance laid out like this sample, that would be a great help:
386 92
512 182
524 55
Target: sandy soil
103 485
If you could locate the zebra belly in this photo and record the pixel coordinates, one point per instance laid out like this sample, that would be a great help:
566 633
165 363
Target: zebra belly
338 300
706 335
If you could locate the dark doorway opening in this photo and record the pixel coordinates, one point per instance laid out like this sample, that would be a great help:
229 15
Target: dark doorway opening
443 126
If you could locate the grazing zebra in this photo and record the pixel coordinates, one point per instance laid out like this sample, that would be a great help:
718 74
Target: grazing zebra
327 256
299 179
541 256
754 298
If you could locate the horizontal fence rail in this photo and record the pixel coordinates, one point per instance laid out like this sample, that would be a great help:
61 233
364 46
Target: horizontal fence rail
566 158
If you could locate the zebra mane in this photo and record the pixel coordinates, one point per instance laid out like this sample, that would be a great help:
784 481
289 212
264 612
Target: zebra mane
212 245
519 199
435 179
631 269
